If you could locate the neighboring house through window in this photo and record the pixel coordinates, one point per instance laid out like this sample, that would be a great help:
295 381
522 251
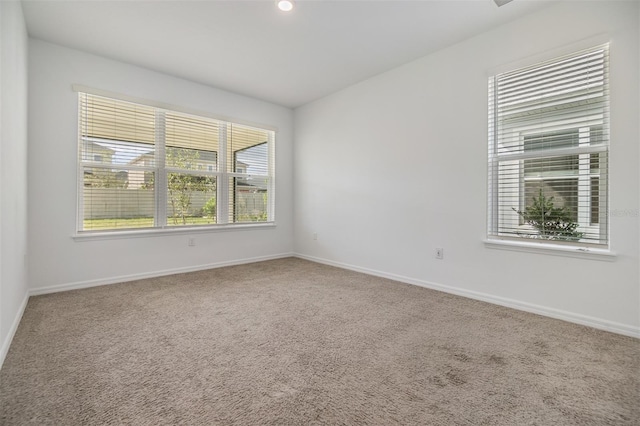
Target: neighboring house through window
548 150
146 167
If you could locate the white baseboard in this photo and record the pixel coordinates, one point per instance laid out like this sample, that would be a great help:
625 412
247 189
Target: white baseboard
4 350
124 278
598 323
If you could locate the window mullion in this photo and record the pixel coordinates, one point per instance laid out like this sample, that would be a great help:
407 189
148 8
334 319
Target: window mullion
222 206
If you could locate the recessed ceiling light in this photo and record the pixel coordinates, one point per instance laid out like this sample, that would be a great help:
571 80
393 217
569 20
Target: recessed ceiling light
285 5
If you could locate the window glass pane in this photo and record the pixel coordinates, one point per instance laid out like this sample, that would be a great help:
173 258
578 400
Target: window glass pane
594 163
595 201
562 139
191 159
123 153
596 135
562 192
191 142
249 199
252 160
191 199
116 132
566 165
110 201
248 150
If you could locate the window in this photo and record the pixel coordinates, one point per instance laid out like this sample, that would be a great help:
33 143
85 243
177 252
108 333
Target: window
146 167
548 150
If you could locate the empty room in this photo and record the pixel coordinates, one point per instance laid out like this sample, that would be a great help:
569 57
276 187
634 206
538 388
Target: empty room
339 212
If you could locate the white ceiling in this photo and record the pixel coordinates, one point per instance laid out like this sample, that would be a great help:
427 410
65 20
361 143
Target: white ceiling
252 48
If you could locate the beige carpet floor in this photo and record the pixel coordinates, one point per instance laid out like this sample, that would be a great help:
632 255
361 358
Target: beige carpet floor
291 342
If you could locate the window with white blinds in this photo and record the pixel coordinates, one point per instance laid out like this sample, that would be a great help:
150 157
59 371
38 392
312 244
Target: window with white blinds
548 150
147 167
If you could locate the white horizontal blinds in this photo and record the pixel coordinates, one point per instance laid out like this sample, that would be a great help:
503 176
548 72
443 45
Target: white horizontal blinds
116 157
116 120
549 127
143 166
248 154
191 161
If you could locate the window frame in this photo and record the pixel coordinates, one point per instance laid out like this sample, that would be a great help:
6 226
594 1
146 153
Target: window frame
497 239
161 219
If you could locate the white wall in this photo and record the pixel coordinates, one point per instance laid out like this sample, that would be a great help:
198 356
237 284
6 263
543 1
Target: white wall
13 169
58 260
393 167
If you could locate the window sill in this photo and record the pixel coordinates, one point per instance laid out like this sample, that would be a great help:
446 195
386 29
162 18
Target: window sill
552 249
163 232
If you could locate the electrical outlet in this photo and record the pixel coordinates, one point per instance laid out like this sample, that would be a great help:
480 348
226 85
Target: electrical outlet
439 253
192 241
315 236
